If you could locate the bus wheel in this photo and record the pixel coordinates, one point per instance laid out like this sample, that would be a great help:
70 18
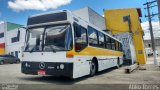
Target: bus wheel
93 68
118 63
1 62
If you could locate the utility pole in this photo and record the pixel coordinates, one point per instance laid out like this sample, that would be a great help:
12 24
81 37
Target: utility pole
158 4
148 4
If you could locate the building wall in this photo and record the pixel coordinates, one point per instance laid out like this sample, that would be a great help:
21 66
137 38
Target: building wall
128 46
11 39
2 48
116 24
2 38
91 16
15 40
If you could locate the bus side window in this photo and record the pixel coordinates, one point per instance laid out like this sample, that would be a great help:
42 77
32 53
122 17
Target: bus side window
92 37
108 42
80 38
120 47
113 44
117 45
101 40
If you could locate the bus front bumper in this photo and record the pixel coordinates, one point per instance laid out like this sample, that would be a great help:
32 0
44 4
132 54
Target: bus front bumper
47 68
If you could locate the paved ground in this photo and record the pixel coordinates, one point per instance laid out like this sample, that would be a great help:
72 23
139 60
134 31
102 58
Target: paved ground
11 74
150 60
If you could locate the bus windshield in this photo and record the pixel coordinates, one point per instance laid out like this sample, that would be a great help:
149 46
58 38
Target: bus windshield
50 38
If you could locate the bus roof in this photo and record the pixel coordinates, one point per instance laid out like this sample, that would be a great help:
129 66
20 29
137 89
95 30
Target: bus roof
52 12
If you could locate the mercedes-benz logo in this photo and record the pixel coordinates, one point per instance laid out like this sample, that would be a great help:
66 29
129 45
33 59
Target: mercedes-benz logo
42 65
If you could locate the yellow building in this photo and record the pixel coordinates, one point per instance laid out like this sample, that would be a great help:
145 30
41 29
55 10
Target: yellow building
115 23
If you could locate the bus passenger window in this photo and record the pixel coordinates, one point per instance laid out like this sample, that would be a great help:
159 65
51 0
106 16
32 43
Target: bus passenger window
113 44
108 42
80 38
101 40
120 47
117 45
92 35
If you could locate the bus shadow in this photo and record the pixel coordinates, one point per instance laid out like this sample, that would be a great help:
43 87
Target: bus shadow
106 71
63 80
54 80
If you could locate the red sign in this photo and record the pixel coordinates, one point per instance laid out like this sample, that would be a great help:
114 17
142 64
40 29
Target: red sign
41 72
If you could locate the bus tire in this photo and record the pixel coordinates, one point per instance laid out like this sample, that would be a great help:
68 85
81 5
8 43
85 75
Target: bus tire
93 68
118 63
1 62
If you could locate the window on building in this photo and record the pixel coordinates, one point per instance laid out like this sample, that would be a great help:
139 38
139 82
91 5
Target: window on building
18 35
1 35
12 53
14 39
17 38
16 54
149 45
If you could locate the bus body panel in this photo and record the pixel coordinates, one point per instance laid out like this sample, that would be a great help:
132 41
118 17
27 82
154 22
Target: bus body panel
81 66
106 59
51 61
45 56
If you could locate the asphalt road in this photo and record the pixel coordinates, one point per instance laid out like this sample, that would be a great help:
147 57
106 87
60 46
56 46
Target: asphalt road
11 74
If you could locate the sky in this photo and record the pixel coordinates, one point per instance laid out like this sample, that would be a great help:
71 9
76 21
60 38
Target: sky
17 11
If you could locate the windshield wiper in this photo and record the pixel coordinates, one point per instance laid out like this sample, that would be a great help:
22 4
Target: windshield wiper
65 28
33 49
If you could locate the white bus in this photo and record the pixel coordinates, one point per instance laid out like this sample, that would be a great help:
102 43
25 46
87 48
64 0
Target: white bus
62 44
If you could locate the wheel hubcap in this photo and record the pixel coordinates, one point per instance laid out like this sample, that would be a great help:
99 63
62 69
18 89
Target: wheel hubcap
92 68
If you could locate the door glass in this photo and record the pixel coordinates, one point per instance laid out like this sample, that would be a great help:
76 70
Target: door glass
80 38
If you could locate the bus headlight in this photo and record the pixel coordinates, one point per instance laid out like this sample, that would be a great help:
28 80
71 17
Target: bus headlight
27 65
57 67
61 66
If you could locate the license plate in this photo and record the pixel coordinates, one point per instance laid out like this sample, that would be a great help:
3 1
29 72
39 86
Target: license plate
41 72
